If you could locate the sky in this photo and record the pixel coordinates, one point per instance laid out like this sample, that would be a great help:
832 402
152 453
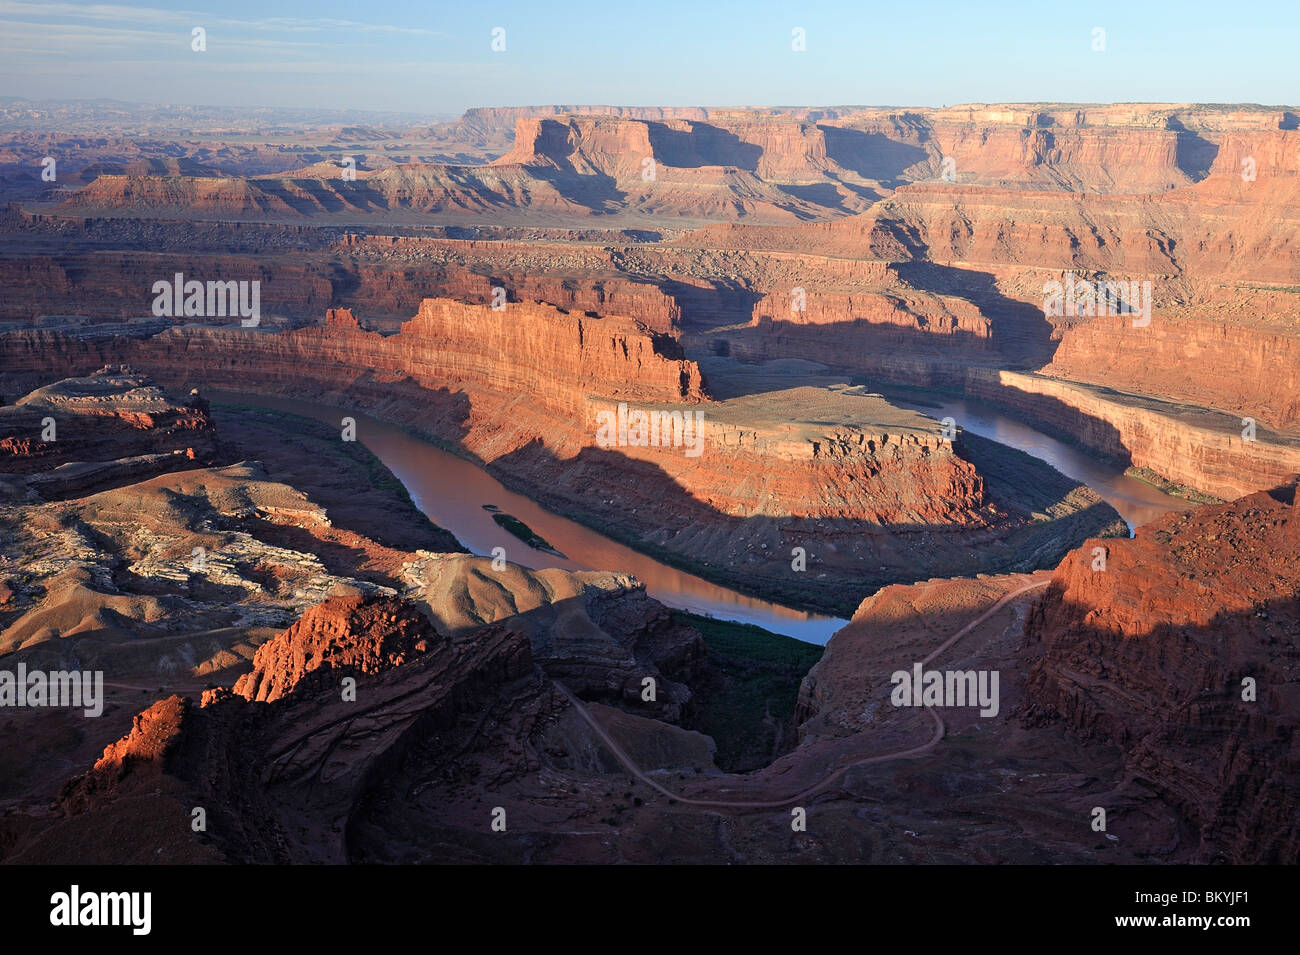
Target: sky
436 58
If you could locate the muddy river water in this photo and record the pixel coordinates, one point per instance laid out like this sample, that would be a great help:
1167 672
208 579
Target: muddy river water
1136 501
452 492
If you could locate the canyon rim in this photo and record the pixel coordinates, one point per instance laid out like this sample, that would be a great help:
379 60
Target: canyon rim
419 477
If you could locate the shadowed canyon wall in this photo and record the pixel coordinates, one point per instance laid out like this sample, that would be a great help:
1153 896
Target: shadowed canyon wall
1154 652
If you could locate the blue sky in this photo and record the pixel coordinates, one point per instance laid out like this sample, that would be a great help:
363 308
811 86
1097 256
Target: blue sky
437 58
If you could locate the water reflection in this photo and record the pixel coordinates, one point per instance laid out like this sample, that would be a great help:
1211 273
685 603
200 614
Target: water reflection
452 492
1136 501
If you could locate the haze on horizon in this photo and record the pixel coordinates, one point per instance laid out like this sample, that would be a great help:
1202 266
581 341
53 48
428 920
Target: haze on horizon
421 58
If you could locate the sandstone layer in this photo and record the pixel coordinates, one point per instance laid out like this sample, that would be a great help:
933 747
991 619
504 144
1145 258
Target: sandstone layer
438 745
82 434
1178 650
335 680
524 390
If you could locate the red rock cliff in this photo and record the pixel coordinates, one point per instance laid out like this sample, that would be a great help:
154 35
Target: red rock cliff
1151 653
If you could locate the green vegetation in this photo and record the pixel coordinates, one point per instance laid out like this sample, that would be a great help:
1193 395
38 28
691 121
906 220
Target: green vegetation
801 593
748 703
525 533
358 457
753 642
1160 483
1272 288
381 479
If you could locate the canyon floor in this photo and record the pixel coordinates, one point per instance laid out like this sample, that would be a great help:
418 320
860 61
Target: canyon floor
289 643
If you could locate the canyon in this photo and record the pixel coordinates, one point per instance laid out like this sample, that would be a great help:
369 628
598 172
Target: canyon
289 640
519 390
1095 701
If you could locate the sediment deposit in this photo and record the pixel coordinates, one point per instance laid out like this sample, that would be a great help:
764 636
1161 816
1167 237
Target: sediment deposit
337 680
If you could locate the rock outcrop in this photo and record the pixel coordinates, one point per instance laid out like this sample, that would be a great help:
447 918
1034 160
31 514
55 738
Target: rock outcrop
531 391
83 434
344 636
281 781
362 688
1196 447
1250 369
1179 652
598 633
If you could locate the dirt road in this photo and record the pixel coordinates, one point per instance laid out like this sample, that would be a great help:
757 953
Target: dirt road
833 777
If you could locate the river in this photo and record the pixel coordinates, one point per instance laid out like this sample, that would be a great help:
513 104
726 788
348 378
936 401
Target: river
1136 501
451 491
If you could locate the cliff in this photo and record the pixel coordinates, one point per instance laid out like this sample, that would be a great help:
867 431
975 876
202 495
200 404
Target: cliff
342 636
555 357
1256 370
326 750
574 167
1153 654
521 390
784 166
834 325
105 285
1202 449
382 274
1220 228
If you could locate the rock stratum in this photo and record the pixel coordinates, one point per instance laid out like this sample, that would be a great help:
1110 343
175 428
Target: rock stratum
523 389
1179 652
938 231
81 434
737 165
370 732
336 679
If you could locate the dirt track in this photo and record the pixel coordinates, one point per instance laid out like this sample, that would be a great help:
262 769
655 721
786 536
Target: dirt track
838 774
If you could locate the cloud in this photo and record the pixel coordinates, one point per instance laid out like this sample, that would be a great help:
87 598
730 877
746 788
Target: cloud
19 39
50 13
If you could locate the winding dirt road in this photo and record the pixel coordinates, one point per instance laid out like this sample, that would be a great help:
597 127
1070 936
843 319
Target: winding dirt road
833 777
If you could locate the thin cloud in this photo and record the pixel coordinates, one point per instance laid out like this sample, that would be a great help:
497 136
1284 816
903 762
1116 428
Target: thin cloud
19 37
48 12
329 68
